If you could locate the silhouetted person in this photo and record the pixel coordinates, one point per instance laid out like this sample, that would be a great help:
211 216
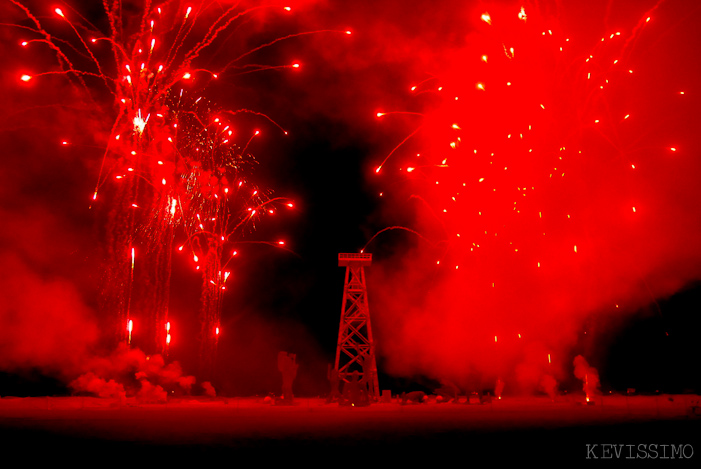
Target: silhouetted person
288 367
353 394
334 379
367 362
498 388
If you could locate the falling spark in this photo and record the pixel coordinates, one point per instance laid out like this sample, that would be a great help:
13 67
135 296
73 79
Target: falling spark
522 14
130 328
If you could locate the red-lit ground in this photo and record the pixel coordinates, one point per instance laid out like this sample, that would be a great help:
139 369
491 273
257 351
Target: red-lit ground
525 429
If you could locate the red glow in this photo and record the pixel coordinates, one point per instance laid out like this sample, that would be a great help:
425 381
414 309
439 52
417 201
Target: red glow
509 185
522 14
497 170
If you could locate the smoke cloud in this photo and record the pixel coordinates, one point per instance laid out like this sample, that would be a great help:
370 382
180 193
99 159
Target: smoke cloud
92 384
549 385
516 317
45 321
525 246
587 374
209 389
131 372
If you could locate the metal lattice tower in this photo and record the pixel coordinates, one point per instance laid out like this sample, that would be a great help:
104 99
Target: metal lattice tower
356 350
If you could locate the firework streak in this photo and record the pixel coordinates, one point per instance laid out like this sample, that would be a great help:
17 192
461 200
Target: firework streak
524 162
171 164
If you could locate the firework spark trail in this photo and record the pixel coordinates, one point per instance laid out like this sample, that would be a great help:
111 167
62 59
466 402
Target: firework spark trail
161 184
530 146
275 41
85 46
218 203
215 29
265 116
389 228
140 93
48 39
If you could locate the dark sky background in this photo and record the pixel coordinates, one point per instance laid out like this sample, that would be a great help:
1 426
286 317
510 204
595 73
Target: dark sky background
50 239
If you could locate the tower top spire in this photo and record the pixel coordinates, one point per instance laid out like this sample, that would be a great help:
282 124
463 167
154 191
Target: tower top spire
357 259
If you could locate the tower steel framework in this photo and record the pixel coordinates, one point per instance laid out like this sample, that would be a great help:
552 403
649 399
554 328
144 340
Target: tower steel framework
356 350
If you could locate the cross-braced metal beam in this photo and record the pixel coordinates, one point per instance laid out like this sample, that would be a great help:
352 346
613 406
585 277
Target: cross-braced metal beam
356 350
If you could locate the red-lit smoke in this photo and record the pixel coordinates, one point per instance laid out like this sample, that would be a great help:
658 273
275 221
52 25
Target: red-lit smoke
542 159
165 162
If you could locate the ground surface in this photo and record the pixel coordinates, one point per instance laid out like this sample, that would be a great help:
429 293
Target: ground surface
312 433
